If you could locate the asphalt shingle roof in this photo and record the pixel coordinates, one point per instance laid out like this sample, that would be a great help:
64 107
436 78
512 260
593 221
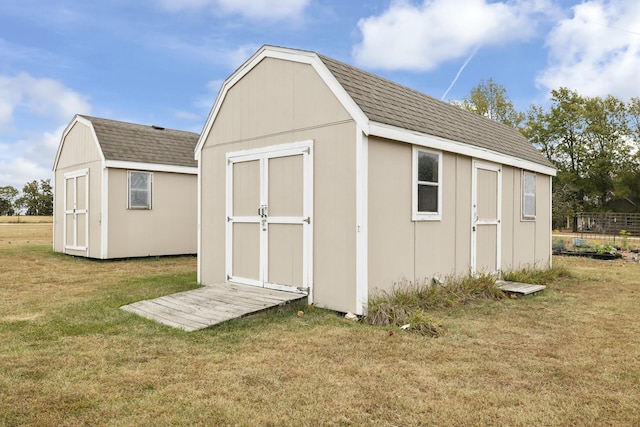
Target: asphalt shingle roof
386 102
132 142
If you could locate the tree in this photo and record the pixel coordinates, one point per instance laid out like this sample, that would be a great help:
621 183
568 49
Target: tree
8 196
489 99
37 198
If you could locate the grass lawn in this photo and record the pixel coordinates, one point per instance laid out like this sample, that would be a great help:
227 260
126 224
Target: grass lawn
68 356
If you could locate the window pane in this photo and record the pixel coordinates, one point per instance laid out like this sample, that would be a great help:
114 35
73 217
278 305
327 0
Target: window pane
139 190
139 199
529 195
427 167
139 180
427 198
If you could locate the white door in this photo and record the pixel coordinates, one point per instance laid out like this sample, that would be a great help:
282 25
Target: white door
76 211
485 226
269 223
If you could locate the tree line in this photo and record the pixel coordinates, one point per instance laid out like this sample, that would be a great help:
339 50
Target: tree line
593 142
36 199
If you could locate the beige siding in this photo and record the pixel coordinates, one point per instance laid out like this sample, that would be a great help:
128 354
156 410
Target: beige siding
169 228
282 102
402 248
79 151
525 243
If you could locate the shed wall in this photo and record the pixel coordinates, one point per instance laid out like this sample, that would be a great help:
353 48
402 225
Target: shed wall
282 102
400 248
79 151
168 228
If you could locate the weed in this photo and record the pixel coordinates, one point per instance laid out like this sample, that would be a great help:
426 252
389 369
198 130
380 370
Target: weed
539 276
408 302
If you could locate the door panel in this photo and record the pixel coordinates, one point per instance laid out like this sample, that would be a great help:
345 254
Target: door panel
487 195
285 254
246 250
486 248
285 186
246 188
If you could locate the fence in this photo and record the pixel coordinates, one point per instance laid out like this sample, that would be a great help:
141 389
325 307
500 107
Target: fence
606 225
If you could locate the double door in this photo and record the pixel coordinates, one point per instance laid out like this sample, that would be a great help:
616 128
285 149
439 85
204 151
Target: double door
269 221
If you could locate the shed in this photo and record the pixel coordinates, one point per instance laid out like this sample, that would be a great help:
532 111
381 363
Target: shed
124 190
319 177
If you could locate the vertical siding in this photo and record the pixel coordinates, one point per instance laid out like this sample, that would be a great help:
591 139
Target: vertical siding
79 151
281 102
525 243
415 250
169 228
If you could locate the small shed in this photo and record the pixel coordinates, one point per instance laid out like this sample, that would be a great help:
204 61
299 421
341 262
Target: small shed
322 178
124 190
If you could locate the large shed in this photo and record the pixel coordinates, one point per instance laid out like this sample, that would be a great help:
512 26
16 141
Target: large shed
319 177
124 190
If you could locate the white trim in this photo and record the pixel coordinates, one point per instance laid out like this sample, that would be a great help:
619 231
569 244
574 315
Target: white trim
415 214
104 226
293 55
199 225
437 143
550 222
362 229
474 221
150 167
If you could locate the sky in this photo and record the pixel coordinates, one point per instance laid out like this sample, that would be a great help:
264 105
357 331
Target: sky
162 62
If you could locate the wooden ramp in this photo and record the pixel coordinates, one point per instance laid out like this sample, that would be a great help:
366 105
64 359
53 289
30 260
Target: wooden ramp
519 288
209 305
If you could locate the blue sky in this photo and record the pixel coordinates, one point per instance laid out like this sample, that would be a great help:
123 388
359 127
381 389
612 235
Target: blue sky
162 61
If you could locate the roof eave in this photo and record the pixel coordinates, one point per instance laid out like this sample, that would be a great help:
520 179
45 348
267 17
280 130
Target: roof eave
383 130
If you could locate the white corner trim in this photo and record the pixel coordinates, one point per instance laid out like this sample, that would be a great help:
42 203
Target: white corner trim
395 133
152 167
104 218
199 226
362 228
293 55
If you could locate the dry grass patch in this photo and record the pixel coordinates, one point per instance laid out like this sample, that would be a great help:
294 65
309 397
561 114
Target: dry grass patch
570 356
17 219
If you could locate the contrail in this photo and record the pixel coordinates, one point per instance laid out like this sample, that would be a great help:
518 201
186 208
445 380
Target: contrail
455 79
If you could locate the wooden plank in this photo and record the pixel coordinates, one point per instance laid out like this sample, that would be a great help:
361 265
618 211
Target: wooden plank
519 288
210 305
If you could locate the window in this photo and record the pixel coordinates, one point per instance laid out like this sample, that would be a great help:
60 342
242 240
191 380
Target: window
139 190
427 185
528 196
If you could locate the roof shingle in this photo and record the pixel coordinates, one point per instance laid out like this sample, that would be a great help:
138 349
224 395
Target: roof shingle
132 142
386 102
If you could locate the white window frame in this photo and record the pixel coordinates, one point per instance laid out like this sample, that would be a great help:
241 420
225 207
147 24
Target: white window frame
149 205
528 216
415 214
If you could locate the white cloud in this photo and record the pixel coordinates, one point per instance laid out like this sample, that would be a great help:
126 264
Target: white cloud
421 37
252 9
597 50
38 96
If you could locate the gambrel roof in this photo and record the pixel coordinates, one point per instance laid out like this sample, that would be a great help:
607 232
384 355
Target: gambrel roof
131 144
386 109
